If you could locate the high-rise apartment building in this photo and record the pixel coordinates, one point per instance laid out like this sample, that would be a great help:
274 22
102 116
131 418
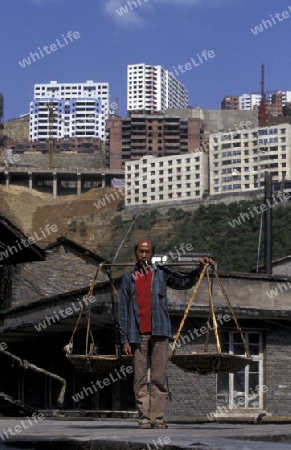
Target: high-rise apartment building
274 102
239 159
80 110
167 180
249 101
230 102
139 135
153 88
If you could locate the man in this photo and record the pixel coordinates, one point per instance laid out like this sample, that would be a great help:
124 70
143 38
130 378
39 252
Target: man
145 328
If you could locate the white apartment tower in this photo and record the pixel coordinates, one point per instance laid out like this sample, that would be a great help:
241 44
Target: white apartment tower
79 110
239 159
252 101
153 88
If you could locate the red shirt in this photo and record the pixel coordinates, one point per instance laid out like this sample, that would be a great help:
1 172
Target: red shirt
143 287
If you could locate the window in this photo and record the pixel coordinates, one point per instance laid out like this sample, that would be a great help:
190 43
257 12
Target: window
243 389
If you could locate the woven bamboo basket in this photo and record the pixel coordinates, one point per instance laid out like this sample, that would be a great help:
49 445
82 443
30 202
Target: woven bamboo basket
205 363
210 362
99 363
90 361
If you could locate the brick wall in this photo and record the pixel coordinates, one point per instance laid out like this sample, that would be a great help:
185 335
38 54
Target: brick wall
192 395
277 368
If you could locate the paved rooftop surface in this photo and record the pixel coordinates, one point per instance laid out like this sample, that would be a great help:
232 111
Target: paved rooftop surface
61 434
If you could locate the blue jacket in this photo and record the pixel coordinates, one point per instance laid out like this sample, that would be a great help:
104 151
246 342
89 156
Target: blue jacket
128 314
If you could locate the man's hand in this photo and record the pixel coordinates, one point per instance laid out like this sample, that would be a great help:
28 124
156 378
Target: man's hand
204 261
126 349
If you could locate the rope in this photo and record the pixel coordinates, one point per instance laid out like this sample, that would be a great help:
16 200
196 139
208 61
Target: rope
211 310
206 343
69 347
214 323
115 322
233 315
187 310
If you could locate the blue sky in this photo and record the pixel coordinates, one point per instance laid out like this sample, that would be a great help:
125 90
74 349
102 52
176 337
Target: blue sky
165 32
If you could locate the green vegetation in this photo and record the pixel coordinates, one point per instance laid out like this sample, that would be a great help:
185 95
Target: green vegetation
117 222
211 229
120 205
147 220
235 246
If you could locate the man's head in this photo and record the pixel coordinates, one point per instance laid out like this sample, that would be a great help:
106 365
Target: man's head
144 250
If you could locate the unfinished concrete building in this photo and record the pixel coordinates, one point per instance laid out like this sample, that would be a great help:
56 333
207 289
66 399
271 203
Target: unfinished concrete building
144 134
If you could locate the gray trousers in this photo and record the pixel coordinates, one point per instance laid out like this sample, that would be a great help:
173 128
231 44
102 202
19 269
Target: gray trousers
151 395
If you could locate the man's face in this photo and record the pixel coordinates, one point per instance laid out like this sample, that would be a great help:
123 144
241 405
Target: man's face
144 252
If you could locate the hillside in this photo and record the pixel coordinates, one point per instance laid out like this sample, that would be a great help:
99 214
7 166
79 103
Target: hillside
17 129
224 230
